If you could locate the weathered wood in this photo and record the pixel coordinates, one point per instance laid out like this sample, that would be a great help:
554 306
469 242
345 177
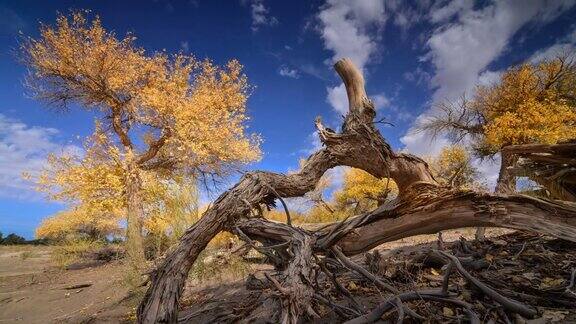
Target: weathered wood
457 210
510 304
551 166
451 210
423 206
161 300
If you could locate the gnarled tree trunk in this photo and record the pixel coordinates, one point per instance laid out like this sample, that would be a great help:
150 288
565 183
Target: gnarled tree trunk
553 166
135 218
505 184
422 206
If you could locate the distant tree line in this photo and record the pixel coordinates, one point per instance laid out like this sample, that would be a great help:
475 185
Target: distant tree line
15 239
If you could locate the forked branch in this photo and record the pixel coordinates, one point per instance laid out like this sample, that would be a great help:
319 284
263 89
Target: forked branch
422 206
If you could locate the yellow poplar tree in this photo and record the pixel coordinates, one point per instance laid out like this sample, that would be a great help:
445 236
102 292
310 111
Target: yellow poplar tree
161 112
172 206
78 222
534 103
92 184
362 191
453 167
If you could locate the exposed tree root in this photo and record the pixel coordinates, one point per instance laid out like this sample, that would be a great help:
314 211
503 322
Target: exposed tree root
300 255
342 295
507 303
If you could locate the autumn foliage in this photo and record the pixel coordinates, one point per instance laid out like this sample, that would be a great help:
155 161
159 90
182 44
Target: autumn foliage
533 103
159 117
362 192
453 167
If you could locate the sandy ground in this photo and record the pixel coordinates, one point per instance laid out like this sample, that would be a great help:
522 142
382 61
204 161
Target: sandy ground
34 290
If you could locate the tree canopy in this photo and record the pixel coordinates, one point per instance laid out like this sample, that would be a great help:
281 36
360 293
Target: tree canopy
159 116
533 103
453 167
168 110
363 192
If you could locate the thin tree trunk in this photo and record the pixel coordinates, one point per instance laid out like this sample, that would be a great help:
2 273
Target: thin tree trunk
135 217
506 183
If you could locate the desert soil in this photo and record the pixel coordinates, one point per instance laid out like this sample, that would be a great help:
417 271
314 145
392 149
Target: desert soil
34 290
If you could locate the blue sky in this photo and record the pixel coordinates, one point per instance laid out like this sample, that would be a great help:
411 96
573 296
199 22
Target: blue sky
413 53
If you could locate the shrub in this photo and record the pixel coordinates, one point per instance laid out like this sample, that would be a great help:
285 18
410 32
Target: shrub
27 254
72 251
13 239
219 265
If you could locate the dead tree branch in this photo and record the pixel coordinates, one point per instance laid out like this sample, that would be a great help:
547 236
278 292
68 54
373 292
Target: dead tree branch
507 303
422 207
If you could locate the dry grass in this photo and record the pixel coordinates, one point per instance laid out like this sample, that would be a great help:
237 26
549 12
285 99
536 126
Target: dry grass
71 251
218 266
447 236
27 254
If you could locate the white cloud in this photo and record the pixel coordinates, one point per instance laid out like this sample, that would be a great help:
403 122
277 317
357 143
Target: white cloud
565 46
313 70
441 13
380 101
314 143
336 176
345 28
422 144
418 76
405 15
553 51
460 51
350 29
488 169
487 78
338 99
24 148
286 71
261 15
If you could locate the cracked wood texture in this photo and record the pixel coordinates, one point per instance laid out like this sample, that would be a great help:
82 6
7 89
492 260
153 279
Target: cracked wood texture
423 206
359 145
551 166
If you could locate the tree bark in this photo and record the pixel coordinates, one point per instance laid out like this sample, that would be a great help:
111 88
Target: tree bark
552 166
506 183
453 210
161 300
135 218
428 215
422 206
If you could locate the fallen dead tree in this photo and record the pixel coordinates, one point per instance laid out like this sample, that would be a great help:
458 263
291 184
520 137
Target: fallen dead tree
502 277
301 257
553 166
